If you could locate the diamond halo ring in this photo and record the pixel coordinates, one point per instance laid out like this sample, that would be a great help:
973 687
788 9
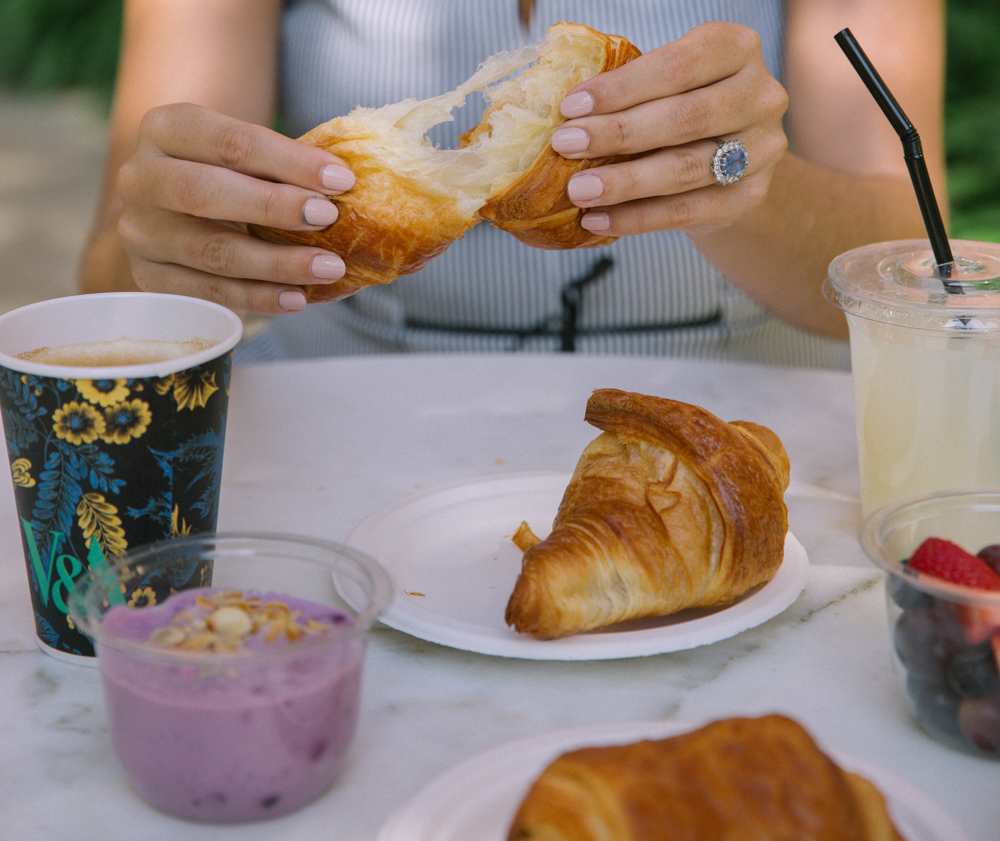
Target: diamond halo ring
730 161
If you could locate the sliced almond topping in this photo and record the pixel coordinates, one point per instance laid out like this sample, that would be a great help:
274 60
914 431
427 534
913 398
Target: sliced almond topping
167 636
199 642
274 629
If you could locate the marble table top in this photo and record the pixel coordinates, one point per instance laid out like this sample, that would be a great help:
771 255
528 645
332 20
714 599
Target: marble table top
314 447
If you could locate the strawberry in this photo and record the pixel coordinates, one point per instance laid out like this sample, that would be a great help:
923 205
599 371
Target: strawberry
950 562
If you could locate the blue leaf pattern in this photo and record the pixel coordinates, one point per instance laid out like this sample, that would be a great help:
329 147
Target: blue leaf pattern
21 409
96 467
204 450
45 630
159 509
59 491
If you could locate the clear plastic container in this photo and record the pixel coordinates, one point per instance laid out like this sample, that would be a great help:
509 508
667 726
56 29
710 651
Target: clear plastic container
926 366
945 638
240 735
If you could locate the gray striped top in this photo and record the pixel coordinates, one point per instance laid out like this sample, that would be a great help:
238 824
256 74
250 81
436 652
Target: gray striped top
488 291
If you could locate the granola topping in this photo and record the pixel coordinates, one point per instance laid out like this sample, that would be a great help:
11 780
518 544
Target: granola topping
224 621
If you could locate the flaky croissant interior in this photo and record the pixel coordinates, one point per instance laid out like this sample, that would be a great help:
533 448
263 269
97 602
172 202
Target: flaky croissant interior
522 111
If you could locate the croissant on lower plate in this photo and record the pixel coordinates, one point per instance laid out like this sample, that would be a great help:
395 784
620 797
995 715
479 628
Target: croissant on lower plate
669 508
412 200
739 779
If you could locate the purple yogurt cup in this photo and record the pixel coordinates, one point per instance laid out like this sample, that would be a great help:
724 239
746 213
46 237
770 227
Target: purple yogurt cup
244 735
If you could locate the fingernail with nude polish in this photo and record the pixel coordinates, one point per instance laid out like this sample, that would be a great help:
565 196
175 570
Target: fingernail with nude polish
292 301
570 140
328 267
596 222
577 105
319 212
584 187
337 178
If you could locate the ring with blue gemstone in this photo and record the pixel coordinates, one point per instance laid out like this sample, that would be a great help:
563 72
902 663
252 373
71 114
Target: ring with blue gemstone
730 161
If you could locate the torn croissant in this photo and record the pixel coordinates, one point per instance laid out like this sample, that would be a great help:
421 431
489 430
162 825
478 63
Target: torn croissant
669 508
740 778
412 200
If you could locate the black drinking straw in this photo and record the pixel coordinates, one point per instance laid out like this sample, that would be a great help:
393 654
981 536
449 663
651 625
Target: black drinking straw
913 152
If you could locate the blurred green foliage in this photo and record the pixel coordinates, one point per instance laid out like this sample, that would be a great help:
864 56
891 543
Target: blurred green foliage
55 44
972 127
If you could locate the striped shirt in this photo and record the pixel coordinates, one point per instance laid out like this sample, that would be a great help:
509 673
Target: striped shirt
489 292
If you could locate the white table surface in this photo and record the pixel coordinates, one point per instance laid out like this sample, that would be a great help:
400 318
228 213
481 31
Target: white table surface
315 447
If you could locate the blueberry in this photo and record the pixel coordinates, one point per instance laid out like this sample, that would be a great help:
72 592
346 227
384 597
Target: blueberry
270 801
936 707
972 672
949 624
991 554
906 595
919 645
979 720
317 749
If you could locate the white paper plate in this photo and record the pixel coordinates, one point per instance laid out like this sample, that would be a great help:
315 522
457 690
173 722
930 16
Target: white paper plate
477 799
453 565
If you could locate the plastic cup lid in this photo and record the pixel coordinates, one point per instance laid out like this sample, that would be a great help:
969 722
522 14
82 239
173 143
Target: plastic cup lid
896 283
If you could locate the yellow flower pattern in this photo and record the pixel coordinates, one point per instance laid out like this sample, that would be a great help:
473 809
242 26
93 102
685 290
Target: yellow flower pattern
20 469
99 521
143 597
103 392
178 525
77 423
188 392
125 421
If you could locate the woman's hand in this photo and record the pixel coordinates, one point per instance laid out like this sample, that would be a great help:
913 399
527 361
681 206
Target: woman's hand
195 177
668 107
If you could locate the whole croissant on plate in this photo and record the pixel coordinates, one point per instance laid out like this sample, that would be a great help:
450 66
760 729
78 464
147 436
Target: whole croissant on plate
670 508
412 200
739 779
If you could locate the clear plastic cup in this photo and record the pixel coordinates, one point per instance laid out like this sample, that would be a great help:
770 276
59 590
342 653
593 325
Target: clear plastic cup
243 735
945 638
926 367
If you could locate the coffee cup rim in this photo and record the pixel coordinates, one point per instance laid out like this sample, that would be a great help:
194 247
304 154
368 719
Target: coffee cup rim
141 371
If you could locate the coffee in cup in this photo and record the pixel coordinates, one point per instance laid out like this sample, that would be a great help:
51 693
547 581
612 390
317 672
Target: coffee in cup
120 351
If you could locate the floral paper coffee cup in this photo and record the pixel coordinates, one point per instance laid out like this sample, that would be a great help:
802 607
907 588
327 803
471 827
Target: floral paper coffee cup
105 458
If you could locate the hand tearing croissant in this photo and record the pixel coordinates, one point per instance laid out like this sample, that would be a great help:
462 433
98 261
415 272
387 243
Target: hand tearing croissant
669 508
412 200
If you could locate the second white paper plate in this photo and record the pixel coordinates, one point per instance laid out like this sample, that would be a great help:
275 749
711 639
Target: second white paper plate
478 799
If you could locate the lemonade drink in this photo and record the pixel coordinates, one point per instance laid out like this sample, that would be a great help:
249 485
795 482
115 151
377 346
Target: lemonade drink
926 368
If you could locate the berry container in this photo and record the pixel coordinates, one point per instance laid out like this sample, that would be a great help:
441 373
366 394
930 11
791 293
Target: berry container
945 637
